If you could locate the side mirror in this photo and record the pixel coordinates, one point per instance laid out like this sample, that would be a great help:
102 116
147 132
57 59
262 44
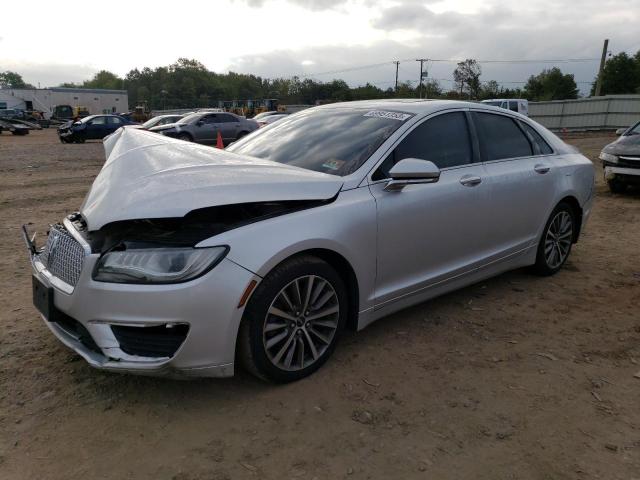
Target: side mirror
199 123
620 131
412 171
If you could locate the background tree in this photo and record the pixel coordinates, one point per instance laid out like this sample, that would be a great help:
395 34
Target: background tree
551 84
9 79
621 75
467 77
104 79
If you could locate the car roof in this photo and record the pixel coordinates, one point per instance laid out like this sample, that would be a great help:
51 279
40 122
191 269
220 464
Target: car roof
409 105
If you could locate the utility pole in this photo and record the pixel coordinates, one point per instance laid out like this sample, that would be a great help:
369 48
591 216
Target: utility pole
397 65
421 60
601 70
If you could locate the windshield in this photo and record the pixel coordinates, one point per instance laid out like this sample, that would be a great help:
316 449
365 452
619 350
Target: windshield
635 130
151 122
335 141
190 118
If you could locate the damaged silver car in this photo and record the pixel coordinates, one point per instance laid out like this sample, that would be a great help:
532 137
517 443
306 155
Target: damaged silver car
183 258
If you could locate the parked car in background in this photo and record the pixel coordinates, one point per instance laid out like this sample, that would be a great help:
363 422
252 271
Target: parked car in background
203 127
268 114
93 127
621 160
157 122
519 105
269 119
13 126
184 258
12 113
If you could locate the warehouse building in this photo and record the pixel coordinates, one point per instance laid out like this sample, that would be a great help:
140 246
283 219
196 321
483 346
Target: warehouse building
45 99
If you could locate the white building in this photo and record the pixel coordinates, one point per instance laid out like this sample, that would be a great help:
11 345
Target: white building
44 99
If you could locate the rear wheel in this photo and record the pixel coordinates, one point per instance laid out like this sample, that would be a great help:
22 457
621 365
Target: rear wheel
555 245
293 320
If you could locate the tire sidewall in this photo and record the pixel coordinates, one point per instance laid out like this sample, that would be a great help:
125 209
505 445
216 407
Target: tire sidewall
541 261
261 300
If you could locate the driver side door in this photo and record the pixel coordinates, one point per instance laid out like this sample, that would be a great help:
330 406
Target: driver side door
430 233
206 129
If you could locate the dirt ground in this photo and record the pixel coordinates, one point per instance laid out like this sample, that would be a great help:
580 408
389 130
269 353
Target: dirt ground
518 377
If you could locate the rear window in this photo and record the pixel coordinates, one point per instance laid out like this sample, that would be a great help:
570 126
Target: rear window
543 146
500 137
335 141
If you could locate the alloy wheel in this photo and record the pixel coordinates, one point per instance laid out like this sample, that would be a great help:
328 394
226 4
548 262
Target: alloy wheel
558 239
301 323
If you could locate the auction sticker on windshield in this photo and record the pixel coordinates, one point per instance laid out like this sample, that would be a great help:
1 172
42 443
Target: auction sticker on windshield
386 114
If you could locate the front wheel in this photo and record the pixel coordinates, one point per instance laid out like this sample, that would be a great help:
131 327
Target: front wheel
616 186
293 320
185 137
557 239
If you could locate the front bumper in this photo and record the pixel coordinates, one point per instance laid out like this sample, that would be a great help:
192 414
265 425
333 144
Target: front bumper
207 305
629 175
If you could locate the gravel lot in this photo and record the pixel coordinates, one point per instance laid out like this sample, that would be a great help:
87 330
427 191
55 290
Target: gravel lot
518 377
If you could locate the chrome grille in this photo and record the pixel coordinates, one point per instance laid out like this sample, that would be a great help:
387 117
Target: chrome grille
63 255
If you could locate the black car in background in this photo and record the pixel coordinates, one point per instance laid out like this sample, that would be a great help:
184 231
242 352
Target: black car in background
621 159
93 127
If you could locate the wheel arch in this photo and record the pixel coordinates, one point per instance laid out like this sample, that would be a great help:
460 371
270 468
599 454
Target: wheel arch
577 210
344 269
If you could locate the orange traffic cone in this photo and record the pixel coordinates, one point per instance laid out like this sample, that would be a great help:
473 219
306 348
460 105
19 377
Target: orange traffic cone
219 143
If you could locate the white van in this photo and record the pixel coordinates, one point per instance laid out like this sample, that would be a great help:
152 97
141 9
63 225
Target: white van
519 105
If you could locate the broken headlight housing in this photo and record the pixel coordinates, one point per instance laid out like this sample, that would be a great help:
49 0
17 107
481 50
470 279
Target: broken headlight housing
157 265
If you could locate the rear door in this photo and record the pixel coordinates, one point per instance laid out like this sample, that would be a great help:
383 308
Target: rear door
96 128
430 232
228 125
521 180
113 123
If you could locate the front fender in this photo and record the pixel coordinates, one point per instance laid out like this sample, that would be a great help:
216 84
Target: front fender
346 226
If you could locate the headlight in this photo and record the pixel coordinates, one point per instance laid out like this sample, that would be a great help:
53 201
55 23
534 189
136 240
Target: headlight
607 157
157 265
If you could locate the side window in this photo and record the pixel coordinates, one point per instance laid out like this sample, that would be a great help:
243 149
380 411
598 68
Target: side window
209 119
513 106
115 121
543 146
444 140
224 118
500 137
99 121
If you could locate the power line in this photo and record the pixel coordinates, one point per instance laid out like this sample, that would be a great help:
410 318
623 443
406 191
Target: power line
450 60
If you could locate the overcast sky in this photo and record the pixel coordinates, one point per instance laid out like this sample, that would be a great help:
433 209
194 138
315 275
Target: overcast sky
52 42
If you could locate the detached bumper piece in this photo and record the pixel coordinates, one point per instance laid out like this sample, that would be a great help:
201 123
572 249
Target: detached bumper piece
156 341
75 329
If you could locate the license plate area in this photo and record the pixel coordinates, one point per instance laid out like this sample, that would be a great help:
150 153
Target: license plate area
43 298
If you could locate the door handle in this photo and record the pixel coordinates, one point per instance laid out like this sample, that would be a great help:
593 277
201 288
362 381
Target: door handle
470 180
541 168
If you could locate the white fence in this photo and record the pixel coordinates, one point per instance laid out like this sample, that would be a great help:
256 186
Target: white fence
595 113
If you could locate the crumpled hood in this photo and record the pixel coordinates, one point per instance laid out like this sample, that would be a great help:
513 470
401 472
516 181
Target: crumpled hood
147 175
625 145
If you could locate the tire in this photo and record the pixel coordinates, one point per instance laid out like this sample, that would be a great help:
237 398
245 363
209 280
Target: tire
616 186
282 347
185 137
556 241
79 140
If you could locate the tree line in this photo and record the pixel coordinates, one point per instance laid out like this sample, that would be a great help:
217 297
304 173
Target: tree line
187 83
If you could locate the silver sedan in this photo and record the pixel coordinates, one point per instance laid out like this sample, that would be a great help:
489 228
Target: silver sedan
184 258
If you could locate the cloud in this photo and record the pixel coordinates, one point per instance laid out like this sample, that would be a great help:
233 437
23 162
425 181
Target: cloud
49 74
501 31
314 5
